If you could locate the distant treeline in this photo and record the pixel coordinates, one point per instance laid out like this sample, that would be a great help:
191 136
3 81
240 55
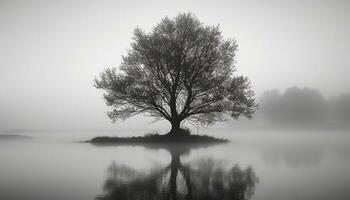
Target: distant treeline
304 106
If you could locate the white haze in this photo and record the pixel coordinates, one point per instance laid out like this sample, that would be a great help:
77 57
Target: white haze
50 52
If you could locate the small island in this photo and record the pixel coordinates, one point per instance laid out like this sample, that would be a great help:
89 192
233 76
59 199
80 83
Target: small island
158 139
13 137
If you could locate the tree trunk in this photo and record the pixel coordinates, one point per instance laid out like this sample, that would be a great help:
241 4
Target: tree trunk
175 127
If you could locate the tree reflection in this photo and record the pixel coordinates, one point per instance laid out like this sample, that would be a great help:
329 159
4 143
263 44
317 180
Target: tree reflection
206 179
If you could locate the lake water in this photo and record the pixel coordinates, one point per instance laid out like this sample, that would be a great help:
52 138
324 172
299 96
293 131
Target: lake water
254 165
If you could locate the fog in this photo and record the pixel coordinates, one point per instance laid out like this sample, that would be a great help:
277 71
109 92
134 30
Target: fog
51 51
304 107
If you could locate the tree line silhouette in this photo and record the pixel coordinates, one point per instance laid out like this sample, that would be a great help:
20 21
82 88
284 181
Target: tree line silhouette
304 106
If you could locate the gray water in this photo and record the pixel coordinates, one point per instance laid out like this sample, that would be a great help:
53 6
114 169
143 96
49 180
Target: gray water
295 165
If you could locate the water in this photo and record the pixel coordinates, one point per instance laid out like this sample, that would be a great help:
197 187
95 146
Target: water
262 166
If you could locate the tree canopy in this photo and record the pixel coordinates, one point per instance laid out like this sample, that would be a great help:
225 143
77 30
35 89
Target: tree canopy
181 70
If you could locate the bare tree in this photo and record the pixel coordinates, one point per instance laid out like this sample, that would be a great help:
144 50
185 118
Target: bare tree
181 70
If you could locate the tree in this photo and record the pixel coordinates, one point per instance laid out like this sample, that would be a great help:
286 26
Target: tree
297 106
181 70
340 107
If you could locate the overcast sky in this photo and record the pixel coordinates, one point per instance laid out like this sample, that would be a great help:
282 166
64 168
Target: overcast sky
50 51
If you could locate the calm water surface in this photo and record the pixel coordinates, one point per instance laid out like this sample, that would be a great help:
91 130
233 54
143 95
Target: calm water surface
261 166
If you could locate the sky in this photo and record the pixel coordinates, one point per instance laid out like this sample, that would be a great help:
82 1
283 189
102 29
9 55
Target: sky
50 51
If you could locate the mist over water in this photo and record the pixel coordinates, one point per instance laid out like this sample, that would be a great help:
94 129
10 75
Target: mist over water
264 165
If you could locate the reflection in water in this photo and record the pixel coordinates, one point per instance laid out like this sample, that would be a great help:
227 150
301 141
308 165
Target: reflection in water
207 180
